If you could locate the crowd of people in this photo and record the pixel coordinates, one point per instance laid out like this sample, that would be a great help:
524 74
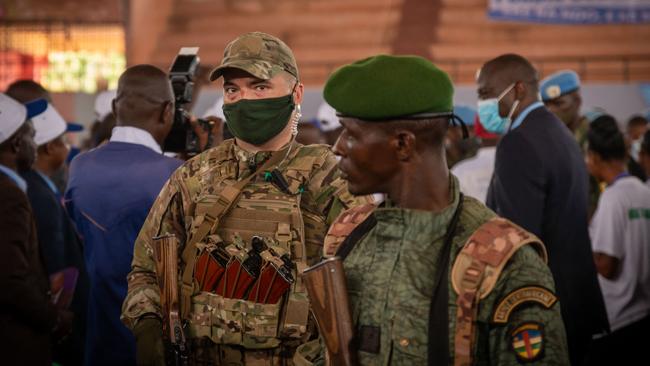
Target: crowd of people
515 231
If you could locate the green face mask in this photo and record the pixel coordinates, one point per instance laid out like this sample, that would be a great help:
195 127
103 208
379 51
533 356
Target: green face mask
256 121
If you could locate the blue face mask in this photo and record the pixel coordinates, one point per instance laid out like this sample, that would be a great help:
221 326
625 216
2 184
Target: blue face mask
488 113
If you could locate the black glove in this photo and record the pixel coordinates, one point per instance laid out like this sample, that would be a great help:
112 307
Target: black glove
150 350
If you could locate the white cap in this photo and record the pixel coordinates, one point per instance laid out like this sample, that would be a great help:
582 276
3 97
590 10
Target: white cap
216 110
48 125
13 114
329 121
104 103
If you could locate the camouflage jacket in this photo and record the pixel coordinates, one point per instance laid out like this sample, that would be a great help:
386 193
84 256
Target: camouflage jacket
314 186
390 276
580 133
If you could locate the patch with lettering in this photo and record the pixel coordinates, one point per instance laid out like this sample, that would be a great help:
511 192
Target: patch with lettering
535 294
527 342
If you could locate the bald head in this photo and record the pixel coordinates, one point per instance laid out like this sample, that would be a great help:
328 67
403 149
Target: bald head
144 99
141 91
510 68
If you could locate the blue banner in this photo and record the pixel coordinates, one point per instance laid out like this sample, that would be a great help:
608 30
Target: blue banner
571 11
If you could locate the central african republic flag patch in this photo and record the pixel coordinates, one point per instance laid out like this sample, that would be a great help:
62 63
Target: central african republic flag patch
527 341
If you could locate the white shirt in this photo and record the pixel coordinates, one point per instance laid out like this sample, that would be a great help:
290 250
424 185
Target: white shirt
474 174
134 135
620 228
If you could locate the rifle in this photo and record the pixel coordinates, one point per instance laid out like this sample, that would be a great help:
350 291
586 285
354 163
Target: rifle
326 286
165 250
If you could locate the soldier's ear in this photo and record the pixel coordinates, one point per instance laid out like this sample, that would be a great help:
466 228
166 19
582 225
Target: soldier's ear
404 144
298 93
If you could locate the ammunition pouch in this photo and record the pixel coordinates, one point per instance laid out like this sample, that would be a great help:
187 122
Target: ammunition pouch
246 323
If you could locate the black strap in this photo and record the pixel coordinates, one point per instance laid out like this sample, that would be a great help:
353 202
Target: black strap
456 120
356 235
438 342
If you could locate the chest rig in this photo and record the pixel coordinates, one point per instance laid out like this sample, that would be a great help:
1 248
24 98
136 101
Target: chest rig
241 283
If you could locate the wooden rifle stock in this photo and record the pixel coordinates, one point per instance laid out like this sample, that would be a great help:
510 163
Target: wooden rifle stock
165 250
325 283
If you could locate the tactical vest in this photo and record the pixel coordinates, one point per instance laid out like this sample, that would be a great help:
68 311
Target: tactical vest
263 210
474 273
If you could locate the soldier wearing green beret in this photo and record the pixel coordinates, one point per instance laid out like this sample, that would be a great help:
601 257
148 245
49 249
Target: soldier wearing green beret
433 276
249 215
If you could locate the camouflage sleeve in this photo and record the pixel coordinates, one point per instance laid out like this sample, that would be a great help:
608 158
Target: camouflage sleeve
326 197
165 217
331 191
520 321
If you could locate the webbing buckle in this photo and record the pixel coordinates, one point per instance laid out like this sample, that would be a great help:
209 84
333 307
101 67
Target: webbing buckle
209 218
283 234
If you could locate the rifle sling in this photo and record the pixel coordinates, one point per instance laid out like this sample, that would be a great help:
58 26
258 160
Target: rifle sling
227 196
348 243
438 342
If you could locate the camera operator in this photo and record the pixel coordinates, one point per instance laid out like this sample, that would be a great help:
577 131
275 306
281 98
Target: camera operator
110 191
190 135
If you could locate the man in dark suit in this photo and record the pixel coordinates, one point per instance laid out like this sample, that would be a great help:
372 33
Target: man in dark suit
58 240
540 182
27 316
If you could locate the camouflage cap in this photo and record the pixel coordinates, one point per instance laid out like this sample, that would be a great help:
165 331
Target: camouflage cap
260 54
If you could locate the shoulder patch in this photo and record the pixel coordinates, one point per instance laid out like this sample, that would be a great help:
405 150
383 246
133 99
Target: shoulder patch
527 342
486 252
536 294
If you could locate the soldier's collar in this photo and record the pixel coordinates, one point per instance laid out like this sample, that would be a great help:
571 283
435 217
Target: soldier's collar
438 221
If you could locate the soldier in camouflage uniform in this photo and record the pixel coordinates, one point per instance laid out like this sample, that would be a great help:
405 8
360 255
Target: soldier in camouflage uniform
433 277
290 194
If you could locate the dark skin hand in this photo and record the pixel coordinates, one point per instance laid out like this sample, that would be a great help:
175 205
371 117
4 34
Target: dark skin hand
606 265
216 130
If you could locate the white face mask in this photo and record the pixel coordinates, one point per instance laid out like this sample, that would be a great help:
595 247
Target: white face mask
635 149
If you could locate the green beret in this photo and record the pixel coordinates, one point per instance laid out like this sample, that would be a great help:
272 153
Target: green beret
390 87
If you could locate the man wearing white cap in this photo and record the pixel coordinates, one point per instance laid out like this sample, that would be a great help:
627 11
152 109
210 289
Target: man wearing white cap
28 318
329 123
103 104
57 237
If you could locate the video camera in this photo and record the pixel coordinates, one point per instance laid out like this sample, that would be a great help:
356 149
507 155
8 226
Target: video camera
182 138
